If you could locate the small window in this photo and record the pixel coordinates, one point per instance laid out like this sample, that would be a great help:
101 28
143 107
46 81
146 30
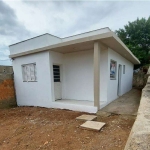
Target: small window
29 72
124 68
56 73
113 69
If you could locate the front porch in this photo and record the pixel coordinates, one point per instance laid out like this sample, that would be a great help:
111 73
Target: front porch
79 78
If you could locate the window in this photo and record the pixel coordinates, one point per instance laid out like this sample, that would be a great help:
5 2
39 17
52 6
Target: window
113 69
124 68
56 73
29 72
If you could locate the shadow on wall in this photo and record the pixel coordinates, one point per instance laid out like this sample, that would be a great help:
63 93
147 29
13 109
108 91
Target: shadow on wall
7 90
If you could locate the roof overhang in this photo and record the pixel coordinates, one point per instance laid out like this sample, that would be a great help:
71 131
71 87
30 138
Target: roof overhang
86 43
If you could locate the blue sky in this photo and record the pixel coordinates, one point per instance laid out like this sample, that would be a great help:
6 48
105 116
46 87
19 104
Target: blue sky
20 20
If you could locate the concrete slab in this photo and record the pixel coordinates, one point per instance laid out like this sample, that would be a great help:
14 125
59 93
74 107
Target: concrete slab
93 125
86 117
126 104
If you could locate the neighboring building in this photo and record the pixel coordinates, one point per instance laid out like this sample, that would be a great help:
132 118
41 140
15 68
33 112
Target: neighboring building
84 72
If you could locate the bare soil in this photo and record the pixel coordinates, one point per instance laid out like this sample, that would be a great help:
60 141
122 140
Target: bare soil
36 128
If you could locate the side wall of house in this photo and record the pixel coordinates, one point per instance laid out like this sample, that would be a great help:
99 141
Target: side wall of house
33 93
126 79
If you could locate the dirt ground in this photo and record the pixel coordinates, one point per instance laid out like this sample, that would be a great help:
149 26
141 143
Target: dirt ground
37 128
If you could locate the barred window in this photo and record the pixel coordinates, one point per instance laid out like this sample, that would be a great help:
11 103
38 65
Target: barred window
56 73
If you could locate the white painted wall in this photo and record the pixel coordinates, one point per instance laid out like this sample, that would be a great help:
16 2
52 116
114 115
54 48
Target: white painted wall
76 74
33 93
34 43
78 67
76 78
126 80
40 93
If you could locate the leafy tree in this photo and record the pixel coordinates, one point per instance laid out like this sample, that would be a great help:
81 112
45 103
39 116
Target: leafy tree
136 36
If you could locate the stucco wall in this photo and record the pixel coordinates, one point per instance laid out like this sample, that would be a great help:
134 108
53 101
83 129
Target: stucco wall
41 93
76 74
34 43
79 75
126 79
33 93
76 78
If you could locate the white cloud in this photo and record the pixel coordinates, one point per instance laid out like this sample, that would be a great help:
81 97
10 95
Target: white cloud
25 19
67 18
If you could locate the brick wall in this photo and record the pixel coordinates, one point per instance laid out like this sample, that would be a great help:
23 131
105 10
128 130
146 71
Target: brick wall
7 90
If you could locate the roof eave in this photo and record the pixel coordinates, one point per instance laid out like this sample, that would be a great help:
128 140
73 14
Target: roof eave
76 41
135 58
85 39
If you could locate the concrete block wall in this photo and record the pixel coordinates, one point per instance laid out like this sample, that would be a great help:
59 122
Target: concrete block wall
7 90
139 138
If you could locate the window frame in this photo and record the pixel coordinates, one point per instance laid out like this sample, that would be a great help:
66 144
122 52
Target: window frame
23 73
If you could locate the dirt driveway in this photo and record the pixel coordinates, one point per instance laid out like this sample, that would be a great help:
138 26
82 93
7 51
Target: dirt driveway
53 129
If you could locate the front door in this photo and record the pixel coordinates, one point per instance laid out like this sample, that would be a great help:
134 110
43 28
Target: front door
57 82
119 79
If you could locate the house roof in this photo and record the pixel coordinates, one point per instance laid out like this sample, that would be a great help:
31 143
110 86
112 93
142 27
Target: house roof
78 42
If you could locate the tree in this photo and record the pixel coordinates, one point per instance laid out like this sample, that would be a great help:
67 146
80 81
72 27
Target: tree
136 36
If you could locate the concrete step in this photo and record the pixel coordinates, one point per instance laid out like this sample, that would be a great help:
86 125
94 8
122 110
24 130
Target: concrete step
93 125
86 117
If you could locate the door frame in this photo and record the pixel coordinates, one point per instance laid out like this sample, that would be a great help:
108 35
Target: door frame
119 79
60 69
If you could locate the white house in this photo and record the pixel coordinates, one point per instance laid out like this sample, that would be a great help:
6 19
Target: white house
83 72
